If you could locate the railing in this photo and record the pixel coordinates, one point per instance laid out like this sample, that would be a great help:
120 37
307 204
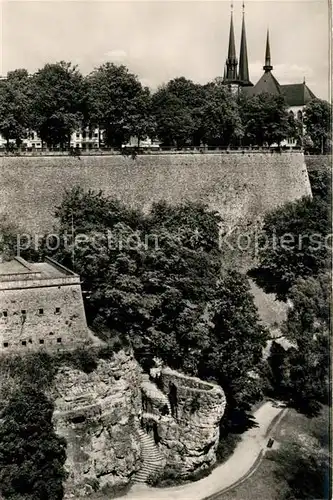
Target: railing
134 151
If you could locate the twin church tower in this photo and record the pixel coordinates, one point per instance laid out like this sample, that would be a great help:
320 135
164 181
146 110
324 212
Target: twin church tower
236 76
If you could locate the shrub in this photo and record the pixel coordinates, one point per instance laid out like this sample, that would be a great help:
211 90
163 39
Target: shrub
226 447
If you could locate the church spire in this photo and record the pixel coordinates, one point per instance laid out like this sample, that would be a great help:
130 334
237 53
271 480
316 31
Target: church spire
231 61
268 67
243 60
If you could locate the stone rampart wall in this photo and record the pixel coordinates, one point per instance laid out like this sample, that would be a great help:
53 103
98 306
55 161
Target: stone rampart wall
242 187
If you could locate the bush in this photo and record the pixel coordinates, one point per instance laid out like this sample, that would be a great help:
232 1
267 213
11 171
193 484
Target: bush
226 447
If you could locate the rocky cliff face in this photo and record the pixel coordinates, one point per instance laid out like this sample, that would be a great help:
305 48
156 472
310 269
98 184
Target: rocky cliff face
98 413
95 413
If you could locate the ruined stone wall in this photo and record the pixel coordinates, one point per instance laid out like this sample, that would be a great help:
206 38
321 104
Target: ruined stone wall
189 434
95 413
242 187
42 317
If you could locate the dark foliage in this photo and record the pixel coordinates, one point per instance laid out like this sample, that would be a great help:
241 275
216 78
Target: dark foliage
160 285
31 454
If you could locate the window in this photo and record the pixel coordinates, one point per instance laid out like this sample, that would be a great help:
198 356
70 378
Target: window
78 136
24 342
41 341
299 115
23 312
57 310
5 314
59 340
90 135
40 311
96 134
51 333
5 344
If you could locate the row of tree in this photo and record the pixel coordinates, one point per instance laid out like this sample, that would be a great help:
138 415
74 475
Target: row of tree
57 100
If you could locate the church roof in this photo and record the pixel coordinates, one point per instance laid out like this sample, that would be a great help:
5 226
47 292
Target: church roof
266 84
297 94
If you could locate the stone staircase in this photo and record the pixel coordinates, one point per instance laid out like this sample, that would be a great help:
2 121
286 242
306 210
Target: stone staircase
153 460
153 392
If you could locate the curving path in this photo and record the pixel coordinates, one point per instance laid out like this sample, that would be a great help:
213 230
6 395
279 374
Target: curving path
236 468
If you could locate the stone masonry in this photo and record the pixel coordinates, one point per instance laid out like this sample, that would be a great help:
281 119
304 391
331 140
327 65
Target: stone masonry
41 306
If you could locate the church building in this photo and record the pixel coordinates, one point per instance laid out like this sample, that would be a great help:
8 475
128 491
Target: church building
297 95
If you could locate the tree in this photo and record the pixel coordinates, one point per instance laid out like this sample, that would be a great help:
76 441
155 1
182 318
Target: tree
265 119
118 104
15 106
294 243
220 117
141 122
178 110
317 121
58 102
304 469
174 123
31 454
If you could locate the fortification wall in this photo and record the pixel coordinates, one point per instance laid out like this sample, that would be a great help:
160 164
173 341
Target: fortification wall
42 317
189 434
242 187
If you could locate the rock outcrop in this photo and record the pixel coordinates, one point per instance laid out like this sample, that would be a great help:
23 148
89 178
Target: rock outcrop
96 414
187 430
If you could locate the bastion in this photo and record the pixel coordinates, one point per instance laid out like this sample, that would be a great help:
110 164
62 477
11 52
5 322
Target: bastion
41 307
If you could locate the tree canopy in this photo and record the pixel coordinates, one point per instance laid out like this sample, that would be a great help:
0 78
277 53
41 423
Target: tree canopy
31 454
157 279
317 120
58 97
15 106
118 104
265 119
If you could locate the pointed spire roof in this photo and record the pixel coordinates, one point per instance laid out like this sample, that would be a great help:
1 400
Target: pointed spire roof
232 47
243 60
268 66
231 62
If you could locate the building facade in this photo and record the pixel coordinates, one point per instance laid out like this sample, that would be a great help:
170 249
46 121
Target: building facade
41 306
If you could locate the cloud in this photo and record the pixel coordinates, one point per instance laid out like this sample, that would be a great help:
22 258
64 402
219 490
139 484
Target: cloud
284 73
116 55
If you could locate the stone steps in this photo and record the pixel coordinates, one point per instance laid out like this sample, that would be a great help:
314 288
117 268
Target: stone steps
153 461
154 393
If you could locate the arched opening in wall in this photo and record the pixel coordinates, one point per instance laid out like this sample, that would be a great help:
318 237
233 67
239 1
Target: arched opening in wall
173 399
299 115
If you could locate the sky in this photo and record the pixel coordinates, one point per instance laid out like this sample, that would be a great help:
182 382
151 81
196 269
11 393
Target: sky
160 40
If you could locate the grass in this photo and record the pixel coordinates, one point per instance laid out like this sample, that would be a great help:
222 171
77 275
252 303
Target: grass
263 483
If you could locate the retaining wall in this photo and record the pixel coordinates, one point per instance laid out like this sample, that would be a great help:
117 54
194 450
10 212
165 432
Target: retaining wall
242 187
